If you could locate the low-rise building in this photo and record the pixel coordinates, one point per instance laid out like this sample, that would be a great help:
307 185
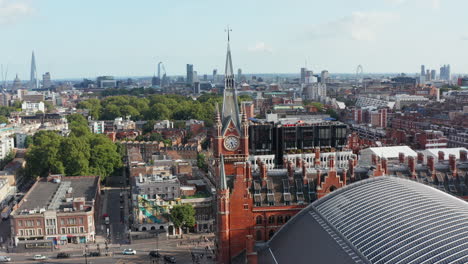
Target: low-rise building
58 209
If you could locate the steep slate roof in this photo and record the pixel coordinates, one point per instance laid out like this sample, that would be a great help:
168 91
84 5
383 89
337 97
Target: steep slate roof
378 220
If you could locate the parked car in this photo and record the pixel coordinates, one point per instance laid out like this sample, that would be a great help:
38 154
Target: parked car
170 259
5 259
129 251
94 254
39 257
155 254
63 255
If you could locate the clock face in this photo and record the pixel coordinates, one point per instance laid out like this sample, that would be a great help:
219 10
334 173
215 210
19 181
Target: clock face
231 143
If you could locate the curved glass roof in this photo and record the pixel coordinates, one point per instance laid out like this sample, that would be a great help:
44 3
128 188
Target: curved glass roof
387 220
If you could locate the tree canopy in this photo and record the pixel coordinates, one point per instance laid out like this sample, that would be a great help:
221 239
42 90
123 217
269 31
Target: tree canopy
80 153
183 215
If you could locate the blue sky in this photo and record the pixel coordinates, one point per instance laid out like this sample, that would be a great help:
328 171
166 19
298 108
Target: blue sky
87 38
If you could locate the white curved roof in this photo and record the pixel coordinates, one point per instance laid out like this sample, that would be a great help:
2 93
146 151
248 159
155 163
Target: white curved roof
383 220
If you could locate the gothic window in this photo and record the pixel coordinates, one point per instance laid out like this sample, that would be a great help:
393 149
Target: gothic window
271 220
259 235
280 219
271 233
259 220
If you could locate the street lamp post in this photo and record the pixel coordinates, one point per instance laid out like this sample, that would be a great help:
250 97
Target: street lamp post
86 253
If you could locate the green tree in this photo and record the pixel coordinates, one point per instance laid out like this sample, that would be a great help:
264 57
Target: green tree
49 107
201 161
94 107
43 157
3 120
28 141
75 154
183 216
149 126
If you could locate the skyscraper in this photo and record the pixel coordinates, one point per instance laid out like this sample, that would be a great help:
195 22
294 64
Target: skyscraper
46 80
189 78
239 75
215 72
303 75
33 84
423 70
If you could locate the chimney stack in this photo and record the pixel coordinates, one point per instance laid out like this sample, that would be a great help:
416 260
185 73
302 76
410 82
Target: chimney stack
453 164
441 156
317 156
344 176
304 172
298 162
385 166
290 171
401 157
463 155
331 163
431 166
374 159
351 169
263 172
412 166
319 178
420 157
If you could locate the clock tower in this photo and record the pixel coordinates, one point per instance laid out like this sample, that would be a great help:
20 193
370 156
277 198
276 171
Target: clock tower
231 125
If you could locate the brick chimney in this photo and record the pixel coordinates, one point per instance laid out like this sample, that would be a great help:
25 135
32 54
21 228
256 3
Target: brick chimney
248 174
441 156
420 157
453 164
431 166
317 156
263 172
344 176
463 155
298 162
319 178
385 166
374 159
331 163
304 172
351 168
401 157
412 166
290 171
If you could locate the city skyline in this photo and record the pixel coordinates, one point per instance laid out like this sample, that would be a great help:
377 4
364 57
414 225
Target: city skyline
71 40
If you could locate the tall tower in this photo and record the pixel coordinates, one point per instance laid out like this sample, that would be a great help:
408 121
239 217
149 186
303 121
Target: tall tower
33 80
232 170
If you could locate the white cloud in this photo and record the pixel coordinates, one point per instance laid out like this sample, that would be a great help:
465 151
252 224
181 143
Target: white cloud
260 46
435 4
12 10
361 26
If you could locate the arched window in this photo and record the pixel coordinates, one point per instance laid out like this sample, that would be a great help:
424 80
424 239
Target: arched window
259 220
279 220
271 233
259 235
271 220
286 218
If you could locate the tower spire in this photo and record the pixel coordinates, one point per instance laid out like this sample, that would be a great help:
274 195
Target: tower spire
222 174
230 106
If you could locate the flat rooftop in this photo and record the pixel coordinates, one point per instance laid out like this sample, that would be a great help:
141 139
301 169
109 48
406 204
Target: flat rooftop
44 192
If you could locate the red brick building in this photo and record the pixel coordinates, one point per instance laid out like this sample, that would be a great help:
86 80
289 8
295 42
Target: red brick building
253 203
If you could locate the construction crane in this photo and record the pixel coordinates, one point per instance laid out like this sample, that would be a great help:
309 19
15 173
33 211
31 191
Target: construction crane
4 76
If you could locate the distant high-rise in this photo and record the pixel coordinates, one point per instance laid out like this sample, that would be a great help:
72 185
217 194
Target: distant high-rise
324 76
423 70
445 72
33 84
189 78
433 75
215 72
16 83
303 75
239 75
46 80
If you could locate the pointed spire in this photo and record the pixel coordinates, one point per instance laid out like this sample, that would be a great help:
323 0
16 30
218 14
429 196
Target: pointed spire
217 115
222 174
228 69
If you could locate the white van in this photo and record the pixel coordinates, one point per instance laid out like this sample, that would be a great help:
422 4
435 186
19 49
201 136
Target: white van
5 259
